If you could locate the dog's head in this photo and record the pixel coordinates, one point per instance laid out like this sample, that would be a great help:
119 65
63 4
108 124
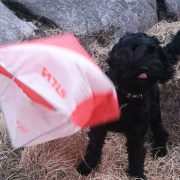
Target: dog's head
137 63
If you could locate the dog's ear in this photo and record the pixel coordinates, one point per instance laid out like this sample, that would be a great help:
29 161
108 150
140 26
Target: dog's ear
173 49
116 50
168 68
169 56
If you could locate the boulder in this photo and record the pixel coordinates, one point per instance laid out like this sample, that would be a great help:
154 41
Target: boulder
92 16
173 6
13 29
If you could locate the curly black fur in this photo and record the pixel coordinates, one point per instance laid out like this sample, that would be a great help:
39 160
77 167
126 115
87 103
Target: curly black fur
133 55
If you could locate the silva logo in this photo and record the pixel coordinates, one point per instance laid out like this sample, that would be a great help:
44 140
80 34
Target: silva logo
54 83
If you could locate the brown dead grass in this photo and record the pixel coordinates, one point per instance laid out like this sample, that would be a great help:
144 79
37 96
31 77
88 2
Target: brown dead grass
56 160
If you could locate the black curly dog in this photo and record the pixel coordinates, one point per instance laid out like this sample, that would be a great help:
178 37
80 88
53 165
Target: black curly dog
137 64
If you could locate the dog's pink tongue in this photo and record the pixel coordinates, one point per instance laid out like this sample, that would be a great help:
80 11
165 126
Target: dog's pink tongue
143 76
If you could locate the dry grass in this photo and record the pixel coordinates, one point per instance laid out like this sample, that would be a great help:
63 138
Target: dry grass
56 160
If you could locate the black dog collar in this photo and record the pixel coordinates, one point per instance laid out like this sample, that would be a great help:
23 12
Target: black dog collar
133 96
130 95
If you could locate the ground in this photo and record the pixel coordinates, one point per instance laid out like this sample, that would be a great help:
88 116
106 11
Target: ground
56 160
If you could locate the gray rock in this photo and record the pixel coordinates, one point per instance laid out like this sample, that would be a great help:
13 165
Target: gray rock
173 6
91 16
13 29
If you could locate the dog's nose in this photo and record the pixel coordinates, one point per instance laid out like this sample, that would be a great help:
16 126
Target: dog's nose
144 68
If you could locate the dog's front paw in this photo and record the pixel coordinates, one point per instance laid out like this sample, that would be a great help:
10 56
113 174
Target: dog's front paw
136 175
159 152
84 169
140 177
